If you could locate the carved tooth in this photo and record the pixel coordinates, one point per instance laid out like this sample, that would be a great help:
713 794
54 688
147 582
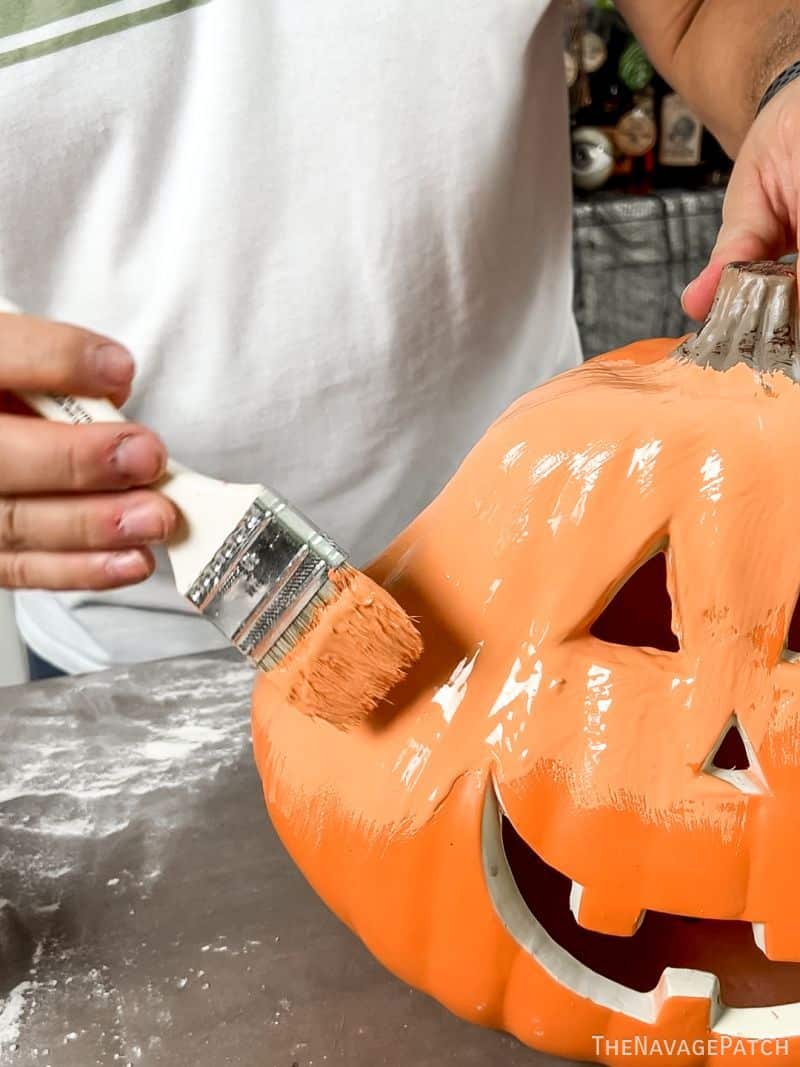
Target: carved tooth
780 942
760 936
575 897
602 912
683 993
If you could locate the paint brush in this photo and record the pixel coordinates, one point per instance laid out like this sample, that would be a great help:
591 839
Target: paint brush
280 590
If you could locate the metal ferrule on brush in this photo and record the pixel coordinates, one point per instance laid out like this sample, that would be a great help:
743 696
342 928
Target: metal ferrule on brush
259 586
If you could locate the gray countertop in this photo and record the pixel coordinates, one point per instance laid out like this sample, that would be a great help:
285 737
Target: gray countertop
150 916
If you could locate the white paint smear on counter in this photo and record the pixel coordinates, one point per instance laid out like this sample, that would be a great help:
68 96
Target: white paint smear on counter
12 1008
86 761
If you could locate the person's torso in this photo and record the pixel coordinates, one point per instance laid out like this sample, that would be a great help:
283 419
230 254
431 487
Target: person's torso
335 237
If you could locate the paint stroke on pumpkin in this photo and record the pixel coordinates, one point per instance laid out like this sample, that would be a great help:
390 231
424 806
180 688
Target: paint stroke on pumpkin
495 736
397 570
450 696
493 588
514 687
585 467
412 760
597 704
545 466
681 681
513 455
643 463
712 474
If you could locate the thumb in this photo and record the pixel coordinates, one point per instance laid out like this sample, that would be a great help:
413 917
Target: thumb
731 247
755 225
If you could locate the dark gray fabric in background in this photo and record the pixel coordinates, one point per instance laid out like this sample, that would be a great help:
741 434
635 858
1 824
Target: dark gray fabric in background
633 257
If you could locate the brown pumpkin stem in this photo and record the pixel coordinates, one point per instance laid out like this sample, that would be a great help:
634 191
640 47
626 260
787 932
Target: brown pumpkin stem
754 320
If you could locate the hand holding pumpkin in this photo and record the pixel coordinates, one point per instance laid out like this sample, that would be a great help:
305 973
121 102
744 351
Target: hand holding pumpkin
760 215
74 513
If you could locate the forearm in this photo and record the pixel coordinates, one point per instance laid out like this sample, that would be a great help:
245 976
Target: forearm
720 55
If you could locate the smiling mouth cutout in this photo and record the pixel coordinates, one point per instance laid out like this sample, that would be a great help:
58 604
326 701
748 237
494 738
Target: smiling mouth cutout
667 955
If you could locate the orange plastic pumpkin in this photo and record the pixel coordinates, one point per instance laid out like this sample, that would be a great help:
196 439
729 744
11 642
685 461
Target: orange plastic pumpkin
577 818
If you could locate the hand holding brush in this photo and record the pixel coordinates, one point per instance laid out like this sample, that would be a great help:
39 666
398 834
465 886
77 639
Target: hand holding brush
280 590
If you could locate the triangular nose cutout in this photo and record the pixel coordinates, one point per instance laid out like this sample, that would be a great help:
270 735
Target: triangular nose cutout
733 759
732 753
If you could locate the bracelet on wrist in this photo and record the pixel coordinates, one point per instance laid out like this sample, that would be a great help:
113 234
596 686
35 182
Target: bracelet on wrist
786 77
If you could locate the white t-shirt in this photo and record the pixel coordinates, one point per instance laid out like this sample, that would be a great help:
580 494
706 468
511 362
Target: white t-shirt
335 235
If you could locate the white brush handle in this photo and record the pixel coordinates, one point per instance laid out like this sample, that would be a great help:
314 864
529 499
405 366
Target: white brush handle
210 508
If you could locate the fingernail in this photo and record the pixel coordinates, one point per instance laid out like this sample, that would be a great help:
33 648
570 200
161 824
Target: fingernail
144 522
114 363
139 457
128 566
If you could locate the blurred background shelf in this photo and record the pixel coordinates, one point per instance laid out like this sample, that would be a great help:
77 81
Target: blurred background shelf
633 256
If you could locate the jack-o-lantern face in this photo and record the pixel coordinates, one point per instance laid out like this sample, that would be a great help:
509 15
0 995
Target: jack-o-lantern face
577 816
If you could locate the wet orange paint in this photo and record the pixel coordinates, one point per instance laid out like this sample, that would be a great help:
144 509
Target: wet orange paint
599 751
356 646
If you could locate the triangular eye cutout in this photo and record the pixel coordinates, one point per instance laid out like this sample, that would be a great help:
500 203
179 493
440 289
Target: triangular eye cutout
733 760
640 612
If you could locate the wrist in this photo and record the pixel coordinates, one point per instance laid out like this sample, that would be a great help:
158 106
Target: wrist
787 76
